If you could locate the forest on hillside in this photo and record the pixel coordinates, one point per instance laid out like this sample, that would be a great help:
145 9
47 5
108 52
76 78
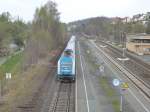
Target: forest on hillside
108 28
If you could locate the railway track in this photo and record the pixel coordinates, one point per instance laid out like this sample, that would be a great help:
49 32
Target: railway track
63 100
140 69
40 99
139 83
135 59
131 56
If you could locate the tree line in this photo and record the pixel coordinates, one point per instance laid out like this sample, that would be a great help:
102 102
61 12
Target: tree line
11 31
47 33
39 37
108 28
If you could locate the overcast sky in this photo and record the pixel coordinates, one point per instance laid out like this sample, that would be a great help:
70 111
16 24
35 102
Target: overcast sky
77 9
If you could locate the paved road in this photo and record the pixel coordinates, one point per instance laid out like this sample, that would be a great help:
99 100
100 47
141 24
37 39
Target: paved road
89 94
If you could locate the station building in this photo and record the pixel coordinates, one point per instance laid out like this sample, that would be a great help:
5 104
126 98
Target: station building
139 44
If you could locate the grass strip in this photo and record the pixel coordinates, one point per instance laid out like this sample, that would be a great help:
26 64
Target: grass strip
111 93
104 83
11 65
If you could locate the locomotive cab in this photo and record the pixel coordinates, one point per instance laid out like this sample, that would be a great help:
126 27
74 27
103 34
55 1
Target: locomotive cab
68 52
66 64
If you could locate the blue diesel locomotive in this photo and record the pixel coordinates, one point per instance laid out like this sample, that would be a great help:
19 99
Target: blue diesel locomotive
66 63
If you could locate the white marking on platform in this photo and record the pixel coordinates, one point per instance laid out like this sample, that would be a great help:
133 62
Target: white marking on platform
76 106
87 102
138 100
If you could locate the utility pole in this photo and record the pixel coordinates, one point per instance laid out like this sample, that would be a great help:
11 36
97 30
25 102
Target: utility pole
121 100
124 43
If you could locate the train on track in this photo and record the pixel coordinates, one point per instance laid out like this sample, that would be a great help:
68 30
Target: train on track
66 67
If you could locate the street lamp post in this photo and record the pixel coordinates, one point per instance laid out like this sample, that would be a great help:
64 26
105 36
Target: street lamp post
123 54
124 58
123 44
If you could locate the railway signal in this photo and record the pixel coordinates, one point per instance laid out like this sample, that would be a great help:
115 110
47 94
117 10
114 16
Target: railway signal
116 82
122 86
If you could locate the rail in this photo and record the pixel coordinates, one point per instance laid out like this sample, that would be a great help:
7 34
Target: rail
62 99
138 82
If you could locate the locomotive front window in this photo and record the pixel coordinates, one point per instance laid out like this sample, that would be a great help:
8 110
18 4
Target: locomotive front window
68 52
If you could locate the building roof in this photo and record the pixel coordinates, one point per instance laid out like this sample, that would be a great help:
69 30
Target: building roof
139 36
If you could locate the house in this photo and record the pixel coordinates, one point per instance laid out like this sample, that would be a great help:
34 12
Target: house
139 44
